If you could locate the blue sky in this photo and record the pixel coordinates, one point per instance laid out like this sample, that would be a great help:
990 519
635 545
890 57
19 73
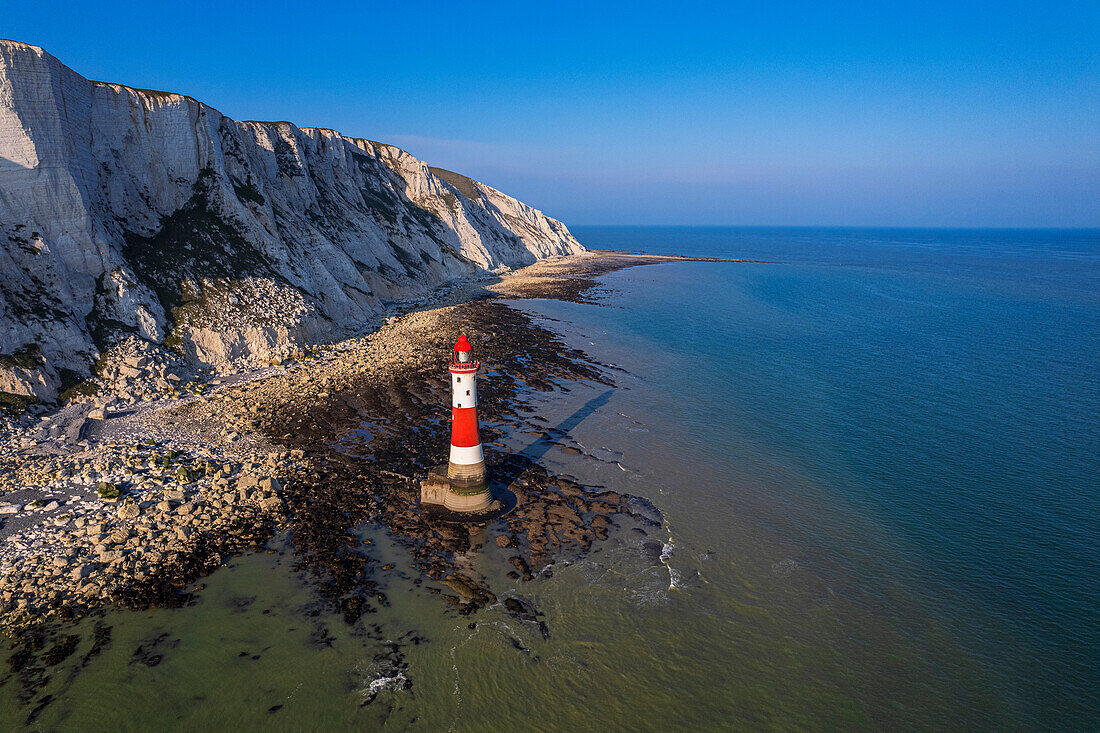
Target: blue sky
820 113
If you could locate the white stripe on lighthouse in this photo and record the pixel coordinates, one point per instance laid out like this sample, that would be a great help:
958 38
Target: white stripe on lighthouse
466 456
459 398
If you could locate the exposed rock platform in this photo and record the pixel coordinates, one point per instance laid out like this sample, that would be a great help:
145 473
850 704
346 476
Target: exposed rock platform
224 463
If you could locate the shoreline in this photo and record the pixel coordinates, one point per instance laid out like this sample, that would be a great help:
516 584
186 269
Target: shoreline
215 473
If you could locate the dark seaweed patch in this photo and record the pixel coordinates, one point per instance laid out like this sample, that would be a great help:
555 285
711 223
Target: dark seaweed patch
101 638
61 650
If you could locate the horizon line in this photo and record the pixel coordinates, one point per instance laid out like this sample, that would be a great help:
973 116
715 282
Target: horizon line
1048 228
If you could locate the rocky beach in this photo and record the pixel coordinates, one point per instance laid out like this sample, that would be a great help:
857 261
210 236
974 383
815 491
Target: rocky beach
117 501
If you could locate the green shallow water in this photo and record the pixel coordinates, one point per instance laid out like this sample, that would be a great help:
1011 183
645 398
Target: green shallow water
730 632
877 473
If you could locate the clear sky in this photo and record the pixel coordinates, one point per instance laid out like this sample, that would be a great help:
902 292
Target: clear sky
880 113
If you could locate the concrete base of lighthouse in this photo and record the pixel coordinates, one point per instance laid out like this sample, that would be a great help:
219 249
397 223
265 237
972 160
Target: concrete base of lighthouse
456 499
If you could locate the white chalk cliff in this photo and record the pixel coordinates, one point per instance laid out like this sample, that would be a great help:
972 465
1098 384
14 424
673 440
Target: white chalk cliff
126 211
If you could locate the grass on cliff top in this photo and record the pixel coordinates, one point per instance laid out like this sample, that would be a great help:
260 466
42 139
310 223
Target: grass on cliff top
465 185
157 93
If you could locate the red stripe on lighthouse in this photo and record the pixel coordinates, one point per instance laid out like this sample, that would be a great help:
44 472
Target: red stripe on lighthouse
464 433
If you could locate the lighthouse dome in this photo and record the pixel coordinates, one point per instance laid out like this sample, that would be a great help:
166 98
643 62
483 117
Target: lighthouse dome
463 352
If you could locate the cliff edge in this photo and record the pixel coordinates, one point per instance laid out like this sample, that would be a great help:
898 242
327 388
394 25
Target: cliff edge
136 213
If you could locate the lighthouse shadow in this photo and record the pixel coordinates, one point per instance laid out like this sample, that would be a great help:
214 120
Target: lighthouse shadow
542 445
508 468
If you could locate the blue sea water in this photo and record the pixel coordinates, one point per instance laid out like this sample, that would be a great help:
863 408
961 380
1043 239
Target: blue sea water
919 413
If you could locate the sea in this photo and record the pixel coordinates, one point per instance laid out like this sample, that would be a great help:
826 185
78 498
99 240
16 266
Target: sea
877 456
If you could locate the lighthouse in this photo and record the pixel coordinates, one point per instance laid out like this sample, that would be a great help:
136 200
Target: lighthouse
466 468
461 485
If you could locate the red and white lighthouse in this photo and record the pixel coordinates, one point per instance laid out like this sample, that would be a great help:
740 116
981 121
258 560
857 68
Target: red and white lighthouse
466 468
461 487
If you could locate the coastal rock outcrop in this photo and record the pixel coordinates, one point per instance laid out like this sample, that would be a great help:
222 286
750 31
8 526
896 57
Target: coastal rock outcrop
130 212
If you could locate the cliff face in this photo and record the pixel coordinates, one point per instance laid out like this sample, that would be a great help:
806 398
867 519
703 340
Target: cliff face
133 212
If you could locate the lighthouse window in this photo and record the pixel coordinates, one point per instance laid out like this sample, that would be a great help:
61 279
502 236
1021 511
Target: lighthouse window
458 379
467 391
